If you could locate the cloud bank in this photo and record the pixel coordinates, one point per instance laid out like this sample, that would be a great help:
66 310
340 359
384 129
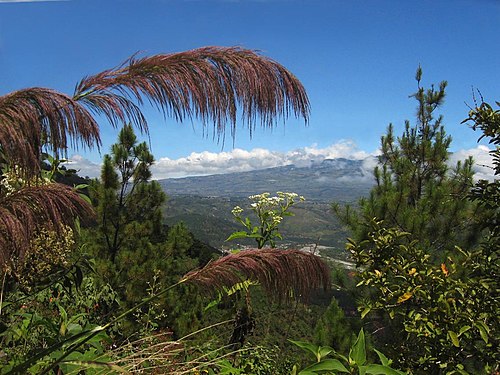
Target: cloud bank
84 167
238 160
483 161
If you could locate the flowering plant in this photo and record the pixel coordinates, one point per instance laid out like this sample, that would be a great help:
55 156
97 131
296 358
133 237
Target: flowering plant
270 212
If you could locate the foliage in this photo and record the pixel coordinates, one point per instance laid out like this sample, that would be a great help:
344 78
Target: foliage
252 360
125 199
333 329
133 250
209 83
50 316
126 245
270 212
35 207
49 253
485 193
258 266
355 363
415 189
448 312
418 242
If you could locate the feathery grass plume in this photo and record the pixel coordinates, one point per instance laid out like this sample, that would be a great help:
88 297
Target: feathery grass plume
24 211
31 116
283 274
209 83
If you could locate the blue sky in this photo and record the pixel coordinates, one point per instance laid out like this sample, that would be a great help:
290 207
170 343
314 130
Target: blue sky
357 60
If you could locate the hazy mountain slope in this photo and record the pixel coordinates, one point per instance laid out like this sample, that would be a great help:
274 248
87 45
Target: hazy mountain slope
205 203
329 180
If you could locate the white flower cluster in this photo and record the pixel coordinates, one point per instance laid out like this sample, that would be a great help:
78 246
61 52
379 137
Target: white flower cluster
237 211
283 200
12 180
270 212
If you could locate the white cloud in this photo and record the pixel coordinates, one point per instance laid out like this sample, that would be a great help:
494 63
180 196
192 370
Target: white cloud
84 167
482 161
238 160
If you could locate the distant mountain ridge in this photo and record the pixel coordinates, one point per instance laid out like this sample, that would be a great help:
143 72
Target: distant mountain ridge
328 180
204 203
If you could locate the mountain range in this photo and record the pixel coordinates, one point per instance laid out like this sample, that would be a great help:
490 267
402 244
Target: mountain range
342 180
204 203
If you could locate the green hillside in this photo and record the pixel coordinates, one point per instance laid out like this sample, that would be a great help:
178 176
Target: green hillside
204 203
210 219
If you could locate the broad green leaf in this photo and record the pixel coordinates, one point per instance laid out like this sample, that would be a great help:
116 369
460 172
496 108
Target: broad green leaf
313 349
62 329
62 312
325 365
463 330
358 350
236 235
342 357
383 359
323 351
454 338
85 197
74 328
381 370
483 331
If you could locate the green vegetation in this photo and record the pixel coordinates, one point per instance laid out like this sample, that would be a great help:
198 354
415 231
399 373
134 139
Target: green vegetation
100 284
355 363
427 249
415 189
111 312
210 219
269 212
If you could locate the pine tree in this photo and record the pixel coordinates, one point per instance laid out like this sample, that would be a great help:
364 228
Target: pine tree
416 190
435 313
333 329
125 196
128 243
